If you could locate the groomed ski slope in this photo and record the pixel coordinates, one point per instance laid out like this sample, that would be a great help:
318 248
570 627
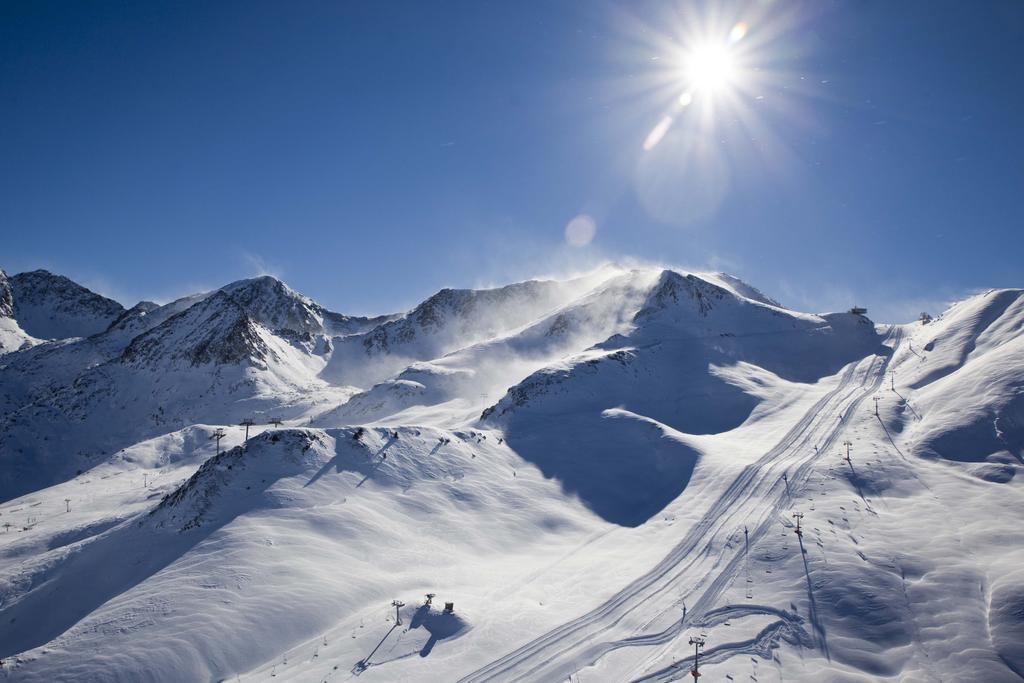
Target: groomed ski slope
701 563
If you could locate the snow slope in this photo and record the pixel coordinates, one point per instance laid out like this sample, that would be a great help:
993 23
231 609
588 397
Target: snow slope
969 385
593 471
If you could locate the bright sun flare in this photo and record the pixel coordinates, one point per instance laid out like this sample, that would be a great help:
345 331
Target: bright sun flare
711 74
710 68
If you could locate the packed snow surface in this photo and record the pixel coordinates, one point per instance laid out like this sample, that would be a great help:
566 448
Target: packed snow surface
593 472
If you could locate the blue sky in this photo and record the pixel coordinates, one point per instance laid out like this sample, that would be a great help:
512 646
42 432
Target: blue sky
371 153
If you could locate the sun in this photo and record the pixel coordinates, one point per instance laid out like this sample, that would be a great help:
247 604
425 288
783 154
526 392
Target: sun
709 68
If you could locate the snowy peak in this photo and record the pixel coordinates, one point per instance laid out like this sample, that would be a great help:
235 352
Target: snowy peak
276 306
689 324
51 306
674 290
216 330
288 313
228 325
701 293
695 306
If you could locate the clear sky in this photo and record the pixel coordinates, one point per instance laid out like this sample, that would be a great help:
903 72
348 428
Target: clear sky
370 153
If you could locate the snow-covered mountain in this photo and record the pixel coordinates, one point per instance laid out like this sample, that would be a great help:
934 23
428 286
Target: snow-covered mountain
593 471
51 306
210 357
482 370
449 320
277 307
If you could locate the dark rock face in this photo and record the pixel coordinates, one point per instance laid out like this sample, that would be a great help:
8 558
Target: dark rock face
51 306
6 297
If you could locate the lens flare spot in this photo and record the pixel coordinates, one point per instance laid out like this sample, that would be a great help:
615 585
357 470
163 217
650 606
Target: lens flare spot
738 32
657 133
686 99
580 231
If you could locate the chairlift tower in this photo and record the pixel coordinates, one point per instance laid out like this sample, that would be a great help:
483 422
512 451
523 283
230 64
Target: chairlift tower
276 421
398 605
848 444
876 399
247 422
217 435
798 516
698 645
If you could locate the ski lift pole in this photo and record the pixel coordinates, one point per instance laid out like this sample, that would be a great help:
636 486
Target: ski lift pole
698 644
248 422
